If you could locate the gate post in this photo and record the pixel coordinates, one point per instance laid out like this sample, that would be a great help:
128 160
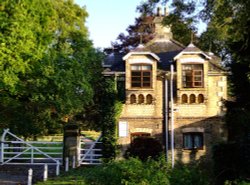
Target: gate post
2 145
71 142
1 151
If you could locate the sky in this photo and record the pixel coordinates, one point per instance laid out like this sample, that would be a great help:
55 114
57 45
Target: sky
108 18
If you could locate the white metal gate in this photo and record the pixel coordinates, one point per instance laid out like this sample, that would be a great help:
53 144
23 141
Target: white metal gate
14 150
90 151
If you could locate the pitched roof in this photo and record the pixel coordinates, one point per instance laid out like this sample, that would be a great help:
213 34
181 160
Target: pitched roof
160 46
141 50
164 51
111 59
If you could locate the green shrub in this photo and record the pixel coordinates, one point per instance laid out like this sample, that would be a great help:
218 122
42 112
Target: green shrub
144 147
188 175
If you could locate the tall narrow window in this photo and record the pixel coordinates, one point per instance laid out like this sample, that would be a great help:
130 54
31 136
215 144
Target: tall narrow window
192 75
141 76
200 98
149 99
184 98
140 99
132 99
192 98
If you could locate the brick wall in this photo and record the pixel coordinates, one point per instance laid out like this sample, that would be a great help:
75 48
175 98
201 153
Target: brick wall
213 131
205 115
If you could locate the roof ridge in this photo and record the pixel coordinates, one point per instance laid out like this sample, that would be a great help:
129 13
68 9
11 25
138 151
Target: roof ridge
178 43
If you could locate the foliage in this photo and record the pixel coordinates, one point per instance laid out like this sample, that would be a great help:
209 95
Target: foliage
141 32
188 175
111 109
228 31
182 21
144 147
228 36
133 172
47 64
237 182
238 119
231 161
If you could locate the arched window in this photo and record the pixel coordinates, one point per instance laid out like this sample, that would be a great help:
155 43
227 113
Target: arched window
140 99
192 98
149 99
132 99
184 98
200 98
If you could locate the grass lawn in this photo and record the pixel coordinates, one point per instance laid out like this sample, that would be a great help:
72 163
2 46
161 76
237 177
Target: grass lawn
76 177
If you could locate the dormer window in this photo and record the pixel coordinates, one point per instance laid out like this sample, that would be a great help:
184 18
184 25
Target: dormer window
141 76
192 75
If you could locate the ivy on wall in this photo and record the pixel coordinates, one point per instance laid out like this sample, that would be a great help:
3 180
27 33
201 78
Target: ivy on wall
111 109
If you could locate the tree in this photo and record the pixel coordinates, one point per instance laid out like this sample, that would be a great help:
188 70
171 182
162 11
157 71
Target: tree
228 30
141 32
47 64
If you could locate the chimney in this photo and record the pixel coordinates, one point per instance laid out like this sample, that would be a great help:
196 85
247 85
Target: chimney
159 12
166 13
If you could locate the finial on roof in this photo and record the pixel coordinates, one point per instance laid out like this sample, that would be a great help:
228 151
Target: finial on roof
210 49
210 46
140 46
192 37
140 39
191 45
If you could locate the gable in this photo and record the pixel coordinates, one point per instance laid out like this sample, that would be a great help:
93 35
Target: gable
191 49
191 58
138 55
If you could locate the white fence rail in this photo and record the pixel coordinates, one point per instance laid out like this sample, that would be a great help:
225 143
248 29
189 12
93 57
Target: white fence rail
15 150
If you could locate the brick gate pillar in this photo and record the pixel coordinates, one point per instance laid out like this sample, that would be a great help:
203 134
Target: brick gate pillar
71 142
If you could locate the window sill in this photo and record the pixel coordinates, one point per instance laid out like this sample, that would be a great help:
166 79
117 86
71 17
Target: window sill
140 104
139 89
188 104
192 88
192 149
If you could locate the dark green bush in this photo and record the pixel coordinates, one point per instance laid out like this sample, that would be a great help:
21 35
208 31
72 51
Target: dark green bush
188 175
144 147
